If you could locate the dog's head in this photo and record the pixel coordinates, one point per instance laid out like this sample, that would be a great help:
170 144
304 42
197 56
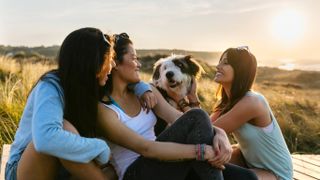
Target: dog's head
175 73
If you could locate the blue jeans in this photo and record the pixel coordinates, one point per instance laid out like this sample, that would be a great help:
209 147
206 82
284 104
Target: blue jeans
11 171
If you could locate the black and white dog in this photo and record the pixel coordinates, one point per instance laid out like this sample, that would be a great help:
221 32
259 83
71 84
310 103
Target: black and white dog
175 73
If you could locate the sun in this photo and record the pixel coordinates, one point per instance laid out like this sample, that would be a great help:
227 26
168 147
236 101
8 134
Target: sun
288 26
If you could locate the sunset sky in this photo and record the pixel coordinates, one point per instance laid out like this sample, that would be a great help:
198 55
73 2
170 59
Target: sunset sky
277 32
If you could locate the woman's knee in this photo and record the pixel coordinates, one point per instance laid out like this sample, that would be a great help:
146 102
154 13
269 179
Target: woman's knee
30 153
198 114
69 127
202 119
201 126
34 164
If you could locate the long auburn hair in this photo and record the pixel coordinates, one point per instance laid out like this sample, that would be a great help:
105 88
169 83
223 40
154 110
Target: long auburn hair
244 65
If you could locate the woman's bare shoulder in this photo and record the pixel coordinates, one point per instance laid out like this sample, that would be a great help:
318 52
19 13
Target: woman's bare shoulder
252 101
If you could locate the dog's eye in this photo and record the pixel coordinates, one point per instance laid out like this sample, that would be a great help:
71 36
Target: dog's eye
180 65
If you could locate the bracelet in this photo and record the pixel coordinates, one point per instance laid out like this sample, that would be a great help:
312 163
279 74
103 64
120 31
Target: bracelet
182 103
200 151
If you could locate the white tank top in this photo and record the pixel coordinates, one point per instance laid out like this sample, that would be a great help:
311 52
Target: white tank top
143 124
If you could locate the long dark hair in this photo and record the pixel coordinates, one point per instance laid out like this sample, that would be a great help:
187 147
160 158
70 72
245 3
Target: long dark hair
244 65
82 55
121 42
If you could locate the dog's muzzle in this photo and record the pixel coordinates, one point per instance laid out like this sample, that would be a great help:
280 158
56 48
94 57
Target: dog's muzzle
171 82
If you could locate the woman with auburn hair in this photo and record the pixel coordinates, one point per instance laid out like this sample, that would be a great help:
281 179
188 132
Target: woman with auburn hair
247 115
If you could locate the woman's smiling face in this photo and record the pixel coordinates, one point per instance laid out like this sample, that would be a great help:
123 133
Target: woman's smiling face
225 72
130 66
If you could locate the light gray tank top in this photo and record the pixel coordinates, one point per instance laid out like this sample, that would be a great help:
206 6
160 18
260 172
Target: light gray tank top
265 150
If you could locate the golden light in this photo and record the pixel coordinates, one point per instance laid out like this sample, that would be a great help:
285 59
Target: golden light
288 26
288 66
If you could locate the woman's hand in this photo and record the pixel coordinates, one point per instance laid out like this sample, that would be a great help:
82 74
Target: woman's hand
208 152
221 147
148 100
192 95
209 155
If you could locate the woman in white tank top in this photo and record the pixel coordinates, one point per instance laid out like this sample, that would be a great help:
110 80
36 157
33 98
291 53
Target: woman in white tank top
184 150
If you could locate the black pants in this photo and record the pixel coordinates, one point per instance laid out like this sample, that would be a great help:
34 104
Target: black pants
234 172
193 127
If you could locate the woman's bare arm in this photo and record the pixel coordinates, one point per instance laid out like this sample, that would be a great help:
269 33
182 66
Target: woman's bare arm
113 130
248 108
163 109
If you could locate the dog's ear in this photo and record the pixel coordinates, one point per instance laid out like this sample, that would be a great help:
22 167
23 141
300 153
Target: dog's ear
156 72
196 69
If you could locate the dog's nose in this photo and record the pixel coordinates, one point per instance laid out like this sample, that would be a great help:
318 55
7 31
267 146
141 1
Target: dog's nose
169 74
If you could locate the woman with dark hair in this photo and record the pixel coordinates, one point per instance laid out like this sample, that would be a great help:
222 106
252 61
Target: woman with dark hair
57 130
247 114
184 150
